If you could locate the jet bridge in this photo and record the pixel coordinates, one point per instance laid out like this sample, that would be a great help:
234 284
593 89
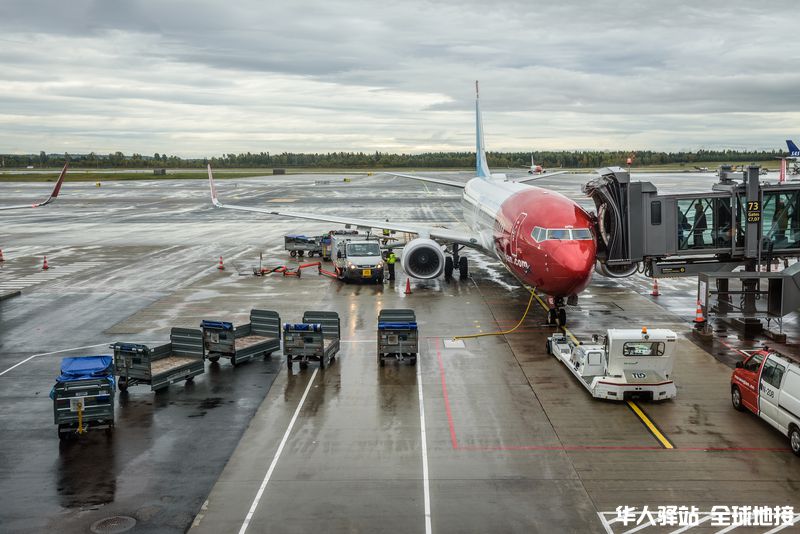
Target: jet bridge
741 224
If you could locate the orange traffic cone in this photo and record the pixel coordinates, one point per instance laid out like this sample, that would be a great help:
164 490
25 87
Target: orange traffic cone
655 292
1 256
221 267
408 286
698 316
44 265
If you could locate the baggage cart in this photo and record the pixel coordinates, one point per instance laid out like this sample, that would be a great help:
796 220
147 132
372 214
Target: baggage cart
261 336
398 337
83 396
316 339
162 365
298 245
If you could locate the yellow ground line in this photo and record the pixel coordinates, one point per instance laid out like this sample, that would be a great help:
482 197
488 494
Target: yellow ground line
638 411
651 426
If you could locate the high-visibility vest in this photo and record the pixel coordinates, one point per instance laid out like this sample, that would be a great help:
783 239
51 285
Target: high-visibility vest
386 231
391 259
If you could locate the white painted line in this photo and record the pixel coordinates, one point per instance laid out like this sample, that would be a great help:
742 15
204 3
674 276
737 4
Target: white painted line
264 482
605 522
691 525
29 358
424 445
787 525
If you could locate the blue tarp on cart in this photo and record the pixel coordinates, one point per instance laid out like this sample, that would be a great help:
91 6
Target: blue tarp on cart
83 367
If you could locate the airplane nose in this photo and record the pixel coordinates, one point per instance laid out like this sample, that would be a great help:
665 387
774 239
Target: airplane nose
571 266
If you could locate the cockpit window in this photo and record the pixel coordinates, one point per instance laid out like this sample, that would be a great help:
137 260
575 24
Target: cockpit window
561 234
581 233
558 234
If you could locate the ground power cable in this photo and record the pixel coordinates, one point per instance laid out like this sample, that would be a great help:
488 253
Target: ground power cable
504 332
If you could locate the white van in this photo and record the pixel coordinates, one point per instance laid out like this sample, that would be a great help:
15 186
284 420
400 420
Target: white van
768 384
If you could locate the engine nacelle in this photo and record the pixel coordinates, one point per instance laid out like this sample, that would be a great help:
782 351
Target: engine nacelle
616 271
422 259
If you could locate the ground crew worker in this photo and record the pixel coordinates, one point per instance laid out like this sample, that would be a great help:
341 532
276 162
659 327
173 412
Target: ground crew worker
391 259
386 234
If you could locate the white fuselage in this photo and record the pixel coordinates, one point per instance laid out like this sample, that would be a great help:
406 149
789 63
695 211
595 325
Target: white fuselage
481 202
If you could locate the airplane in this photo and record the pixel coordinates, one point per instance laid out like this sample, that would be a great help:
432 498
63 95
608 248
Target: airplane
794 152
544 239
50 199
700 169
534 168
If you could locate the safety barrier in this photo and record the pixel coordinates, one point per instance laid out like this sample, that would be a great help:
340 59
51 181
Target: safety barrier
296 272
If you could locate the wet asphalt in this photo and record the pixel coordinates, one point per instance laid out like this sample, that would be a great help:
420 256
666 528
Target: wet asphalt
513 442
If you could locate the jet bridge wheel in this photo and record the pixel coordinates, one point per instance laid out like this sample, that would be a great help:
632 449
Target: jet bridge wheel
463 268
448 269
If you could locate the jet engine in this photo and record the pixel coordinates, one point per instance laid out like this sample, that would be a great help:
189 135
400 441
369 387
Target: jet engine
616 271
423 259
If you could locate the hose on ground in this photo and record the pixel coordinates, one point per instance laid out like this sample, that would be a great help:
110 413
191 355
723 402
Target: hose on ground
504 332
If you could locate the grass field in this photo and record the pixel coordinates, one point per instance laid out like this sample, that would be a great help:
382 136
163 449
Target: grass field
95 175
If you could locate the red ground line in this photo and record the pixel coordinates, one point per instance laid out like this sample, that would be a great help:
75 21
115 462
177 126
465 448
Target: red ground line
621 448
617 448
446 397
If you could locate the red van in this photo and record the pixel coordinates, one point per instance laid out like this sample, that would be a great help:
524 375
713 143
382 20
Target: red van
768 384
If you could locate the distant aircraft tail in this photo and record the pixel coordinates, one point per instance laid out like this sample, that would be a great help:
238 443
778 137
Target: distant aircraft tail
793 150
533 165
481 165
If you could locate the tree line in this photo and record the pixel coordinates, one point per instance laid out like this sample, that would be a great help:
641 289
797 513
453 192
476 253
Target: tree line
497 160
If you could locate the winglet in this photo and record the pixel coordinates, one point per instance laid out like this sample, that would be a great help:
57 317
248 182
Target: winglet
56 189
214 200
481 166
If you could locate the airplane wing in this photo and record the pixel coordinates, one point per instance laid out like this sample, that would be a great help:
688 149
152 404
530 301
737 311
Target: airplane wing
525 179
49 199
439 181
432 232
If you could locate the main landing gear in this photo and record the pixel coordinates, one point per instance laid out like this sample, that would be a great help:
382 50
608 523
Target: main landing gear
557 315
450 263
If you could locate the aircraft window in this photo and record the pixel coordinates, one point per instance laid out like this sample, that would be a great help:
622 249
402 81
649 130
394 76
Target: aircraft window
537 234
558 234
581 234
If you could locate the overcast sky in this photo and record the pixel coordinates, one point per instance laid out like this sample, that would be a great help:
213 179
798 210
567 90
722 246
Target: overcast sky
203 78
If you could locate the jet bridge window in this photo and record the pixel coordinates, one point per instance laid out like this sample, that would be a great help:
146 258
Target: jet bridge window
696 228
781 219
655 212
643 348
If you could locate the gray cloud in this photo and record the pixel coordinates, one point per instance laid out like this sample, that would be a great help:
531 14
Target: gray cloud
203 77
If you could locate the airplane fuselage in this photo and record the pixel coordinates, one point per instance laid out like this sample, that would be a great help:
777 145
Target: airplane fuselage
506 216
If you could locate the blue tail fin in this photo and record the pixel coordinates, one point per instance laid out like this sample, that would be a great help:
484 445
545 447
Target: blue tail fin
481 165
793 150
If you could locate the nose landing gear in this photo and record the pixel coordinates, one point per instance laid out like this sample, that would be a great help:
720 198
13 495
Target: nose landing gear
557 315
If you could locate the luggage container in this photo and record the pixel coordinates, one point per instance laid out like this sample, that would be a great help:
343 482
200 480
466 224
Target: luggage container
316 339
298 245
398 337
83 396
162 365
261 336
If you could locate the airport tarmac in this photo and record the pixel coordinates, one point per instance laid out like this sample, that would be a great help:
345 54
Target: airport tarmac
492 436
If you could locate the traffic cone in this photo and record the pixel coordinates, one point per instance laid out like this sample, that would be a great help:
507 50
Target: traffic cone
698 316
221 267
2 259
655 292
44 265
408 286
